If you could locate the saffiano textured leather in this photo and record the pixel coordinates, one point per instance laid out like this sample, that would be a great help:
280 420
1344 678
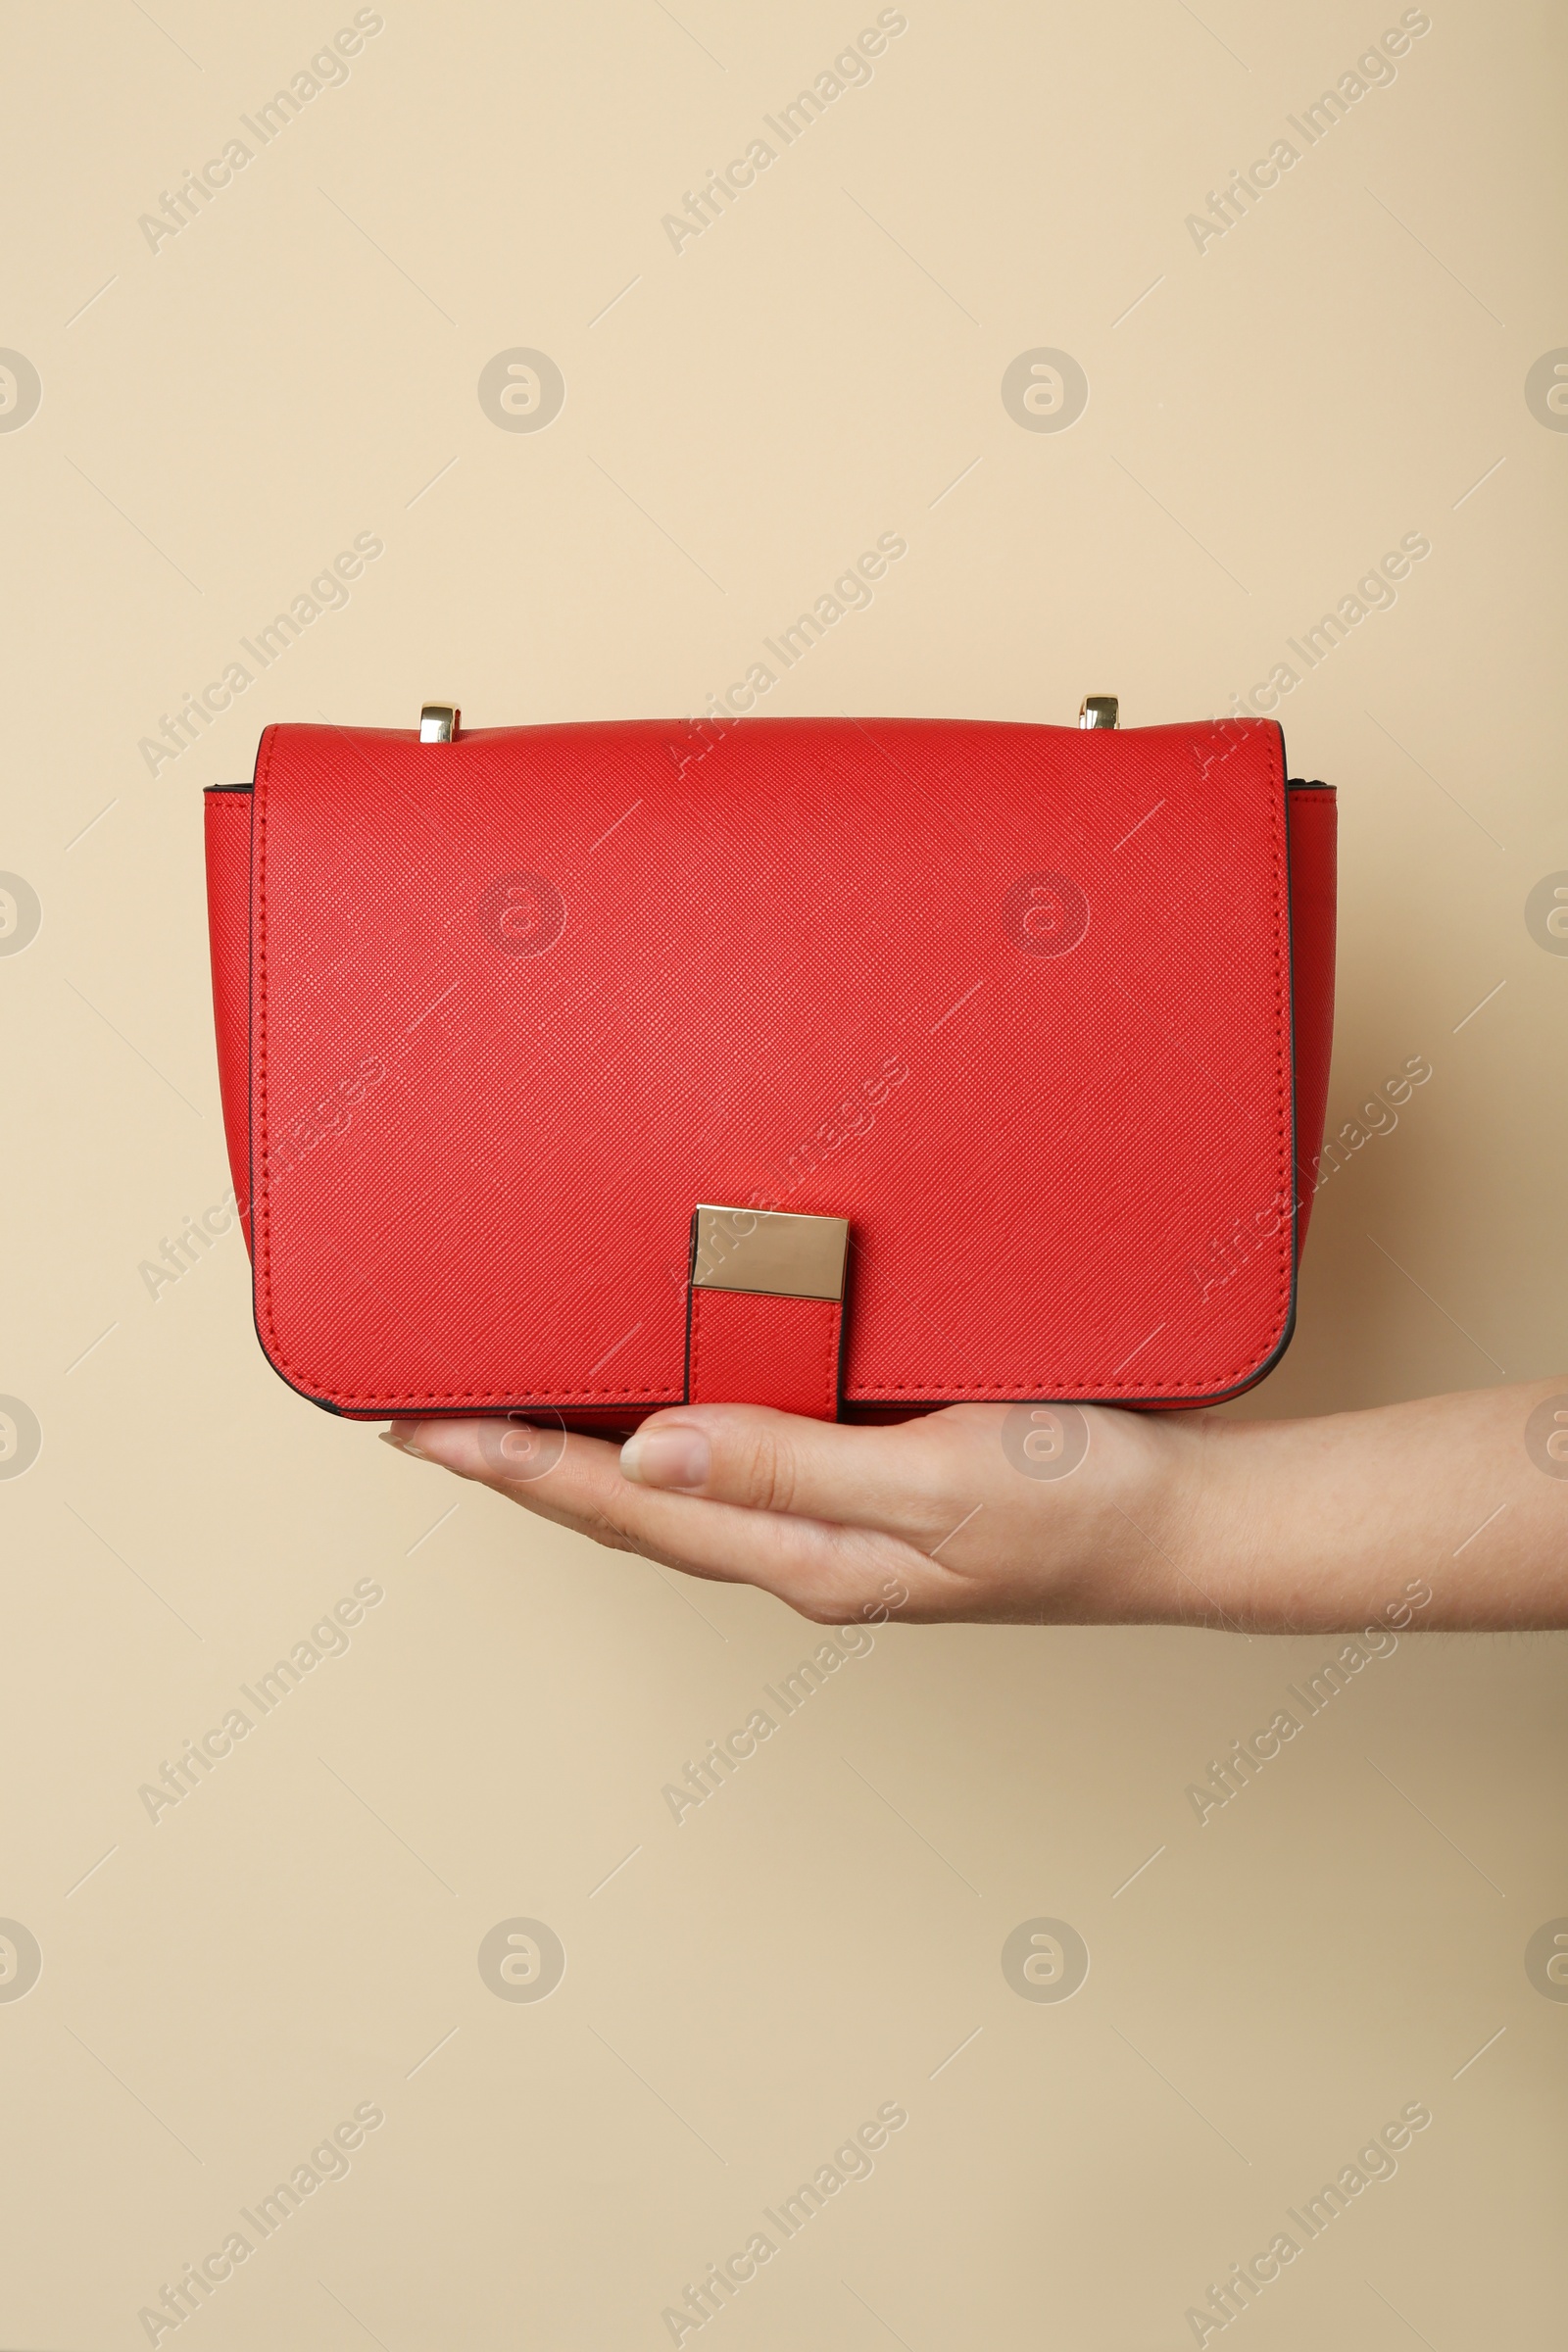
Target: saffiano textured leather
1042 1013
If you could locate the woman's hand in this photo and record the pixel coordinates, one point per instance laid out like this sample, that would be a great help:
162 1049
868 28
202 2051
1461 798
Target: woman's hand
1061 1515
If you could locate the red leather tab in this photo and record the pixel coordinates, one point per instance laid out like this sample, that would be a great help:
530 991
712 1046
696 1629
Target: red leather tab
746 1348
229 921
1312 811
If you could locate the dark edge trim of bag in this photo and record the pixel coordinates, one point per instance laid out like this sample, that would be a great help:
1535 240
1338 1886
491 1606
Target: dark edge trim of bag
326 1404
1176 1404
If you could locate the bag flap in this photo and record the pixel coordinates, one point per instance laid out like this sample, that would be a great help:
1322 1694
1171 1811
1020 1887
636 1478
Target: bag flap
1012 999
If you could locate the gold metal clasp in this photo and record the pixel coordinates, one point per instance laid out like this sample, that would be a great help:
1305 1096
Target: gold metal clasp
768 1251
1098 711
439 722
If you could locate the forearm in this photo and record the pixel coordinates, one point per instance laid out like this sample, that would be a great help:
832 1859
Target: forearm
1448 1513
1313 1525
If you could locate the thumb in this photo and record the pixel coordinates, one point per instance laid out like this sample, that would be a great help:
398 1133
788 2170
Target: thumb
763 1460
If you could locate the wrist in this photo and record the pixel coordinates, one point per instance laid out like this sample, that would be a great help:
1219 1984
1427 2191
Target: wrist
1205 1504
1158 1547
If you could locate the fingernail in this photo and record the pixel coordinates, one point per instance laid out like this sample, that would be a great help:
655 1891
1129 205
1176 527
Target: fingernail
390 1437
676 1455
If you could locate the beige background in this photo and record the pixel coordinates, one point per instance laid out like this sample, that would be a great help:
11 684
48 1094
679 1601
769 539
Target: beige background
218 418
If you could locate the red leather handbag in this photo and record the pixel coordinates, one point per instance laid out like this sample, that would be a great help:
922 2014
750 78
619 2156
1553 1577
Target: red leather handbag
855 1066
